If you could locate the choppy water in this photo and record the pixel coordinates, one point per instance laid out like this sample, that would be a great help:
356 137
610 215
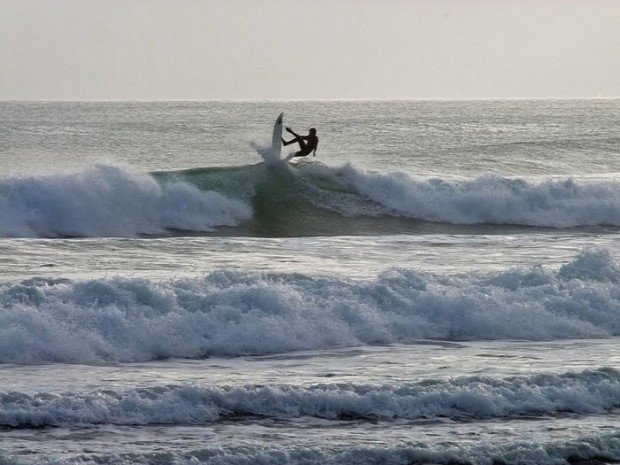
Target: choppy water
440 285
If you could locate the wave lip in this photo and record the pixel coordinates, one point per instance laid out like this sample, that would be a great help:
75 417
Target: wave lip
233 313
588 392
110 201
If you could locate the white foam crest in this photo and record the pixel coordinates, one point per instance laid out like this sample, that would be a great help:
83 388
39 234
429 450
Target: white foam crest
236 313
109 201
492 199
588 392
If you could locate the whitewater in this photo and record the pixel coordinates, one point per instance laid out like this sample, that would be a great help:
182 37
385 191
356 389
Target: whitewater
440 285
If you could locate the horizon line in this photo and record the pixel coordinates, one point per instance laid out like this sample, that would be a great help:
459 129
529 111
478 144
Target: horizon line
422 99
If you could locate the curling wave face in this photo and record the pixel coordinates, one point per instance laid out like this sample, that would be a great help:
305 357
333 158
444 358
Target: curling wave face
234 313
276 199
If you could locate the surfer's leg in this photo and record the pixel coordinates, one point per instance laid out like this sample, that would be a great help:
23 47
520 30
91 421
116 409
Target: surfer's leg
292 141
302 143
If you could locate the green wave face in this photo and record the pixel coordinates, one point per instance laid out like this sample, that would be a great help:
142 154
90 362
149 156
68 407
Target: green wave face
307 200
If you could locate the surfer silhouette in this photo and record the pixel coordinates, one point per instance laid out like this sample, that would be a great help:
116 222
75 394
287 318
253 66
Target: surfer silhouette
307 144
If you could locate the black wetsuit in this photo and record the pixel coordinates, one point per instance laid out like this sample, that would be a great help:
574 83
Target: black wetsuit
307 144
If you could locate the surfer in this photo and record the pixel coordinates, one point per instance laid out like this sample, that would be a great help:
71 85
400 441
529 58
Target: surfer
307 144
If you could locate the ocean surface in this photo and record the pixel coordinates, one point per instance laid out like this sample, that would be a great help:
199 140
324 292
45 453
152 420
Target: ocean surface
439 285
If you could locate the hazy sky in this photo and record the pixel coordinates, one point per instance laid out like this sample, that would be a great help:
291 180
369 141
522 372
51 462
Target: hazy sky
297 49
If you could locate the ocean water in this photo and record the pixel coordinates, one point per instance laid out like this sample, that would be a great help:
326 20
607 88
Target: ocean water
439 285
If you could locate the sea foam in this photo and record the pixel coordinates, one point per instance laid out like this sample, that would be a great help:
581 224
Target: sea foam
232 313
589 450
109 201
588 392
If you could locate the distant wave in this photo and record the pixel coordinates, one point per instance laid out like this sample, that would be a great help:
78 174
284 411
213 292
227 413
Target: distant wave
476 397
109 201
276 199
235 313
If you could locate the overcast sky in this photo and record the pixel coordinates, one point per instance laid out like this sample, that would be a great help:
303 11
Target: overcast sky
308 49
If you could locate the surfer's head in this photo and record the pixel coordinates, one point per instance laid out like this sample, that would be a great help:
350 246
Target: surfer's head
312 131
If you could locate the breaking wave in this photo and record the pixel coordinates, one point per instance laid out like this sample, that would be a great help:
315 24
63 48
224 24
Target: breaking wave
310 191
235 313
109 201
274 198
492 199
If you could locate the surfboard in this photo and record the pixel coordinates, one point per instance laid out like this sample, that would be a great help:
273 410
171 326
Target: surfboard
276 139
